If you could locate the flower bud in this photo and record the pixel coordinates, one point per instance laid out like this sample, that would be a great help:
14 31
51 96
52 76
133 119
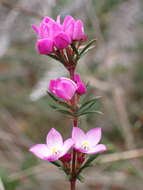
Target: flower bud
63 88
44 46
61 40
81 86
66 158
81 159
78 32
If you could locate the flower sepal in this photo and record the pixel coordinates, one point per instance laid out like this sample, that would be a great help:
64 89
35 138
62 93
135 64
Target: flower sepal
88 163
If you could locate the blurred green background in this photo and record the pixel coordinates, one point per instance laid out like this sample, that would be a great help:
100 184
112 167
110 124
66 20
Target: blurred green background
114 70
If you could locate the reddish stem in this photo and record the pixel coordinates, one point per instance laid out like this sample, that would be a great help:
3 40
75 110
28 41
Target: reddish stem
73 183
75 124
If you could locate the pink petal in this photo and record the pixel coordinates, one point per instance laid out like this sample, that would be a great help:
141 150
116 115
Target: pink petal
93 136
78 30
44 46
52 85
67 21
53 157
48 20
78 137
70 29
62 40
81 88
40 150
63 94
77 78
54 138
35 28
69 87
67 145
58 19
97 148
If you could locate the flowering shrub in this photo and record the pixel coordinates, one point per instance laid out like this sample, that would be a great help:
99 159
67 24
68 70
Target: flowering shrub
62 42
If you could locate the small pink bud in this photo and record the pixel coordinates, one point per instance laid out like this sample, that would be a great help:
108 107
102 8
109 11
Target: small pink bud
81 86
81 159
62 40
63 88
44 46
66 158
78 33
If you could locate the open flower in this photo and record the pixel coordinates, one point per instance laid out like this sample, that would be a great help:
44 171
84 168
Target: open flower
63 88
87 142
55 147
81 88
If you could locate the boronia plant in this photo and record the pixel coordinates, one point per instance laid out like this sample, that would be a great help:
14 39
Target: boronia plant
64 42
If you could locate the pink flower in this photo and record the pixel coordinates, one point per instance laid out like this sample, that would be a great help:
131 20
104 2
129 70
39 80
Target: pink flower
62 40
44 46
52 34
63 88
55 147
81 86
87 142
74 28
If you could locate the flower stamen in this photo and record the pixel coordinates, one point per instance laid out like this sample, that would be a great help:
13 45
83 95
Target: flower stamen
85 145
54 150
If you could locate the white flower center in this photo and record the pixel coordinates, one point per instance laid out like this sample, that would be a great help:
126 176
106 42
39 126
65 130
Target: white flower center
85 145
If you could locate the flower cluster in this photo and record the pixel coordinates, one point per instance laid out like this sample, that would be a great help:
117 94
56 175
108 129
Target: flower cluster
55 148
54 35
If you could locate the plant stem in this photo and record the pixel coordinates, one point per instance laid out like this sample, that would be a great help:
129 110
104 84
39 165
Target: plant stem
73 183
75 124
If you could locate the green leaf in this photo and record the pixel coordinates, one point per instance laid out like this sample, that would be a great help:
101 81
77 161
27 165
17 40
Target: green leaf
87 107
59 102
56 58
75 49
53 97
87 104
66 112
80 178
56 163
86 47
90 112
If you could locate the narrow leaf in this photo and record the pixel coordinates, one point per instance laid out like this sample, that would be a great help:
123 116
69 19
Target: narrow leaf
56 58
80 178
87 107
75 49
87 103
65 112
90 112
56 163
87 46
53 97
